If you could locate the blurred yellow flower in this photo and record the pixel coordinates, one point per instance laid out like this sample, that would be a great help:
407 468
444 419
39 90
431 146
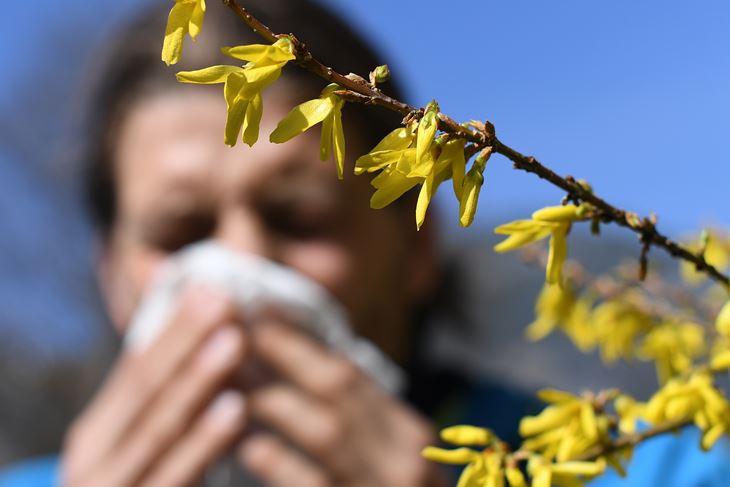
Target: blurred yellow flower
566 428
243 85
722 321
186 17
618 325
716 253
673 347
695 399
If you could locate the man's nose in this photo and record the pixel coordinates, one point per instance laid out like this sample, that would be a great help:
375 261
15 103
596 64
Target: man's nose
243 231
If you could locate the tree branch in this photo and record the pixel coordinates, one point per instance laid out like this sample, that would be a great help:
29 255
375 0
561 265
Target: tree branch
364 92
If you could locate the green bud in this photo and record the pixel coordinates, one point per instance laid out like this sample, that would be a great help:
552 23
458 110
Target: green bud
380 74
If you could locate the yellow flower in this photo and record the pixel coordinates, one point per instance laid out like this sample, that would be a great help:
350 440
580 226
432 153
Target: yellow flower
629 411
722 321
617 326
457 456
472 185
427 127
554 306
552 221
565 474
515 478
673 347
465 435
448 164
326 109
396 156
557 253
716 253
557 307
243 85
695 399
388 151
521 233
566 428
186 17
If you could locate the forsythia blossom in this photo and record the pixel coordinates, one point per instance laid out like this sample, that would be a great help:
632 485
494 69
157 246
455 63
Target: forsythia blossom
243 85
469 193
558 307
566 428
673 346
716 251
409 156
552 221
326 109
186 17
695 399
566 474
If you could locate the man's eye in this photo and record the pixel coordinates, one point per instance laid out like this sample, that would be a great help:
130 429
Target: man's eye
299 223
173 234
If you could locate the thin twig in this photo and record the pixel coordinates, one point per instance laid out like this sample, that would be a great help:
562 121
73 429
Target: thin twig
631 440
367 93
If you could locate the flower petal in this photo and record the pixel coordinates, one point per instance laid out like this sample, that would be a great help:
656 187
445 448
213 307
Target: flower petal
325 139
207 76
520 239
457 456
390 185
258 78
465 435
557 254
177 26
196 19
262 54
470 196
254 112
301 118
397 140
339 145
234 122
375 161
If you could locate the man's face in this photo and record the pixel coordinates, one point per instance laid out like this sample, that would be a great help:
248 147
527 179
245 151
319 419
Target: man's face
178 183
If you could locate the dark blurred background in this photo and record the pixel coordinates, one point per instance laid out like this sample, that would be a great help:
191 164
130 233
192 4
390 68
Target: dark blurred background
632 96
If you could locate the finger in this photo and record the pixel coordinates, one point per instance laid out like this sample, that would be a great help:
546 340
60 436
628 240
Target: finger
221 423
307 423
278 465
176 407
305 362
140 375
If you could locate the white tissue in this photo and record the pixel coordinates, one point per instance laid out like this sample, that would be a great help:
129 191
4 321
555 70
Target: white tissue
256 284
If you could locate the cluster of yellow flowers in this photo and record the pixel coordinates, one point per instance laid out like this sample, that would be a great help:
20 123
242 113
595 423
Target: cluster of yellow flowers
495 466
405 158
619 329
570 441
693 399
571 427
243 85
565 429
413 155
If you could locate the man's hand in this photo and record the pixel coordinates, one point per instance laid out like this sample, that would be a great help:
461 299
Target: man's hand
160 419
330 424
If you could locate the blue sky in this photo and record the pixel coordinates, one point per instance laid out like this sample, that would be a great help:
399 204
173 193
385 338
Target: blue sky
632 95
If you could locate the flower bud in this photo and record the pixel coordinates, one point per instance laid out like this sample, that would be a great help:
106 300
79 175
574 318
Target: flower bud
380 74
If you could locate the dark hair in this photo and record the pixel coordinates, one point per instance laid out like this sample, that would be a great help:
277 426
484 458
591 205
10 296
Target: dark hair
132 69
